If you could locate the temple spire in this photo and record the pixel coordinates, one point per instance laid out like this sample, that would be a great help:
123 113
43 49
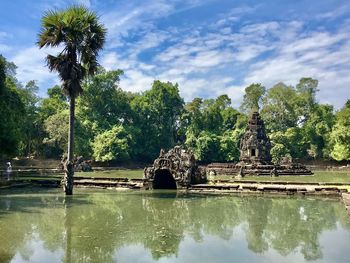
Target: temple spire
255 146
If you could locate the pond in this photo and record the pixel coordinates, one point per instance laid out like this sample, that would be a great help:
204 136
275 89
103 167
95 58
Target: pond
166 226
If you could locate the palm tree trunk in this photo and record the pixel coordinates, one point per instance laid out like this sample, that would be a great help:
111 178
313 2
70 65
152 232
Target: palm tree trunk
69 166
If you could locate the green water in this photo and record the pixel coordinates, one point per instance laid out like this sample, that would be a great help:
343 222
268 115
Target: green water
133 226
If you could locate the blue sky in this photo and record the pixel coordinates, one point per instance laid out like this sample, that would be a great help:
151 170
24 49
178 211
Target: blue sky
209 47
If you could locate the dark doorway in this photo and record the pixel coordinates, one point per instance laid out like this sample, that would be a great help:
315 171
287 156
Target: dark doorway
253 152
163 180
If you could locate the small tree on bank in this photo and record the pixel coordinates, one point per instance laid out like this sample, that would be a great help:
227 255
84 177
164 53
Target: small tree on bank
81 36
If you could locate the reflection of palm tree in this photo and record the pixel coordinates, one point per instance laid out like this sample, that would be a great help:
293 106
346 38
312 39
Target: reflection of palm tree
95 226
68 230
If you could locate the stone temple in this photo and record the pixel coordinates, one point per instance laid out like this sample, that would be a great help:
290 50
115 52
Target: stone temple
174 169
177 168
255 157
255 146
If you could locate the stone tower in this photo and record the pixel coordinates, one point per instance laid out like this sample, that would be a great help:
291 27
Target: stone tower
255 146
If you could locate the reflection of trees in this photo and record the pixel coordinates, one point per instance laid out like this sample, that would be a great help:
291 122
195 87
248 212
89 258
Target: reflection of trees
256 214
92 227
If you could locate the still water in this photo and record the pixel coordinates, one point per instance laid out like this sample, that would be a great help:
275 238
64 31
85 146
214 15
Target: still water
133 226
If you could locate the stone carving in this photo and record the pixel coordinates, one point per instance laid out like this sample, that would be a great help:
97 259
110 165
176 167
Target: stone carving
255 146
173 169
80 164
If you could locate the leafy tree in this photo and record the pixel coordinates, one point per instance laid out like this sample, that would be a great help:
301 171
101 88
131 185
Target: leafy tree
156 117
279 108
82 36
317 130
306 90
113 144
55 102
207 147
213 123
11 114
30 125
253 97
229 150
56 127
340 135
103 102
278 151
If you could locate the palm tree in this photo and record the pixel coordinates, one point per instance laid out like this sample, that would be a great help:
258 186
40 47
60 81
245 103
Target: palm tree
80 35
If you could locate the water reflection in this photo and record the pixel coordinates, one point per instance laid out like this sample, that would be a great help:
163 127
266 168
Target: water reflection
101 226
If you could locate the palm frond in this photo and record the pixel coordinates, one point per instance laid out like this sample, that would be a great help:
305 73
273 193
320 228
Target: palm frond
82 36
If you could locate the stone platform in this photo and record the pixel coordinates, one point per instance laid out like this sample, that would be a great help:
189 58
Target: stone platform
233 169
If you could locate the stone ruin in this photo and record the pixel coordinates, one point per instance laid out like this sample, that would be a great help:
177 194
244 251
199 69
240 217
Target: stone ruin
177 168
80 164
255 146
174 169
255 158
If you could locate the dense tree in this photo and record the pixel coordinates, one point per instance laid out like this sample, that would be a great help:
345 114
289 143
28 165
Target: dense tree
213 129
279 108
340 135
113 144
156 115
103 104
317 130
112 124
31 125
82 36
306 90
253 96
11 114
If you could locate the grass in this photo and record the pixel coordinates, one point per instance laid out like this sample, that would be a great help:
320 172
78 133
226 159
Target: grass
318 177
125 173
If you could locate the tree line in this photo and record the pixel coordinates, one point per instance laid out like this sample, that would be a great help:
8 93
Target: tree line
116 125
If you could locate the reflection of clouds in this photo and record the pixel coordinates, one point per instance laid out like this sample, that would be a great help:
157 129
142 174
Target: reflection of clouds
143 227
302 214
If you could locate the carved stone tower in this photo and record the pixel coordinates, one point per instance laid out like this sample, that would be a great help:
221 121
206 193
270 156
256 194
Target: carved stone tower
255 146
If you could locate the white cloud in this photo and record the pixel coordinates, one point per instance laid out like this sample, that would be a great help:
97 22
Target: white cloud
31 65
86 3
210 59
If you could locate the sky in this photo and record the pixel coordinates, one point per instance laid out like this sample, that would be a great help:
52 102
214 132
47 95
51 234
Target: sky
208 47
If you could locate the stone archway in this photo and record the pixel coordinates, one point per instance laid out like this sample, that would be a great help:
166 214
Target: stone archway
163 179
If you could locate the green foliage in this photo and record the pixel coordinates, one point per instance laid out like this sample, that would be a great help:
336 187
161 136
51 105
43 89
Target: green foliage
156 114
113 144
54 103
11 114
306 90
56 139
340 135
112 124
213 129
252 98
279 108
79 32
278 151
317 130
31 125
56 127
103 102
229 150
206 147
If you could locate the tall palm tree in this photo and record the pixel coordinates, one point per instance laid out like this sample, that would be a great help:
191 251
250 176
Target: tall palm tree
80 35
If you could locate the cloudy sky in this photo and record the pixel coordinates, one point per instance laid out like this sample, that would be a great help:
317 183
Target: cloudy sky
209 47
